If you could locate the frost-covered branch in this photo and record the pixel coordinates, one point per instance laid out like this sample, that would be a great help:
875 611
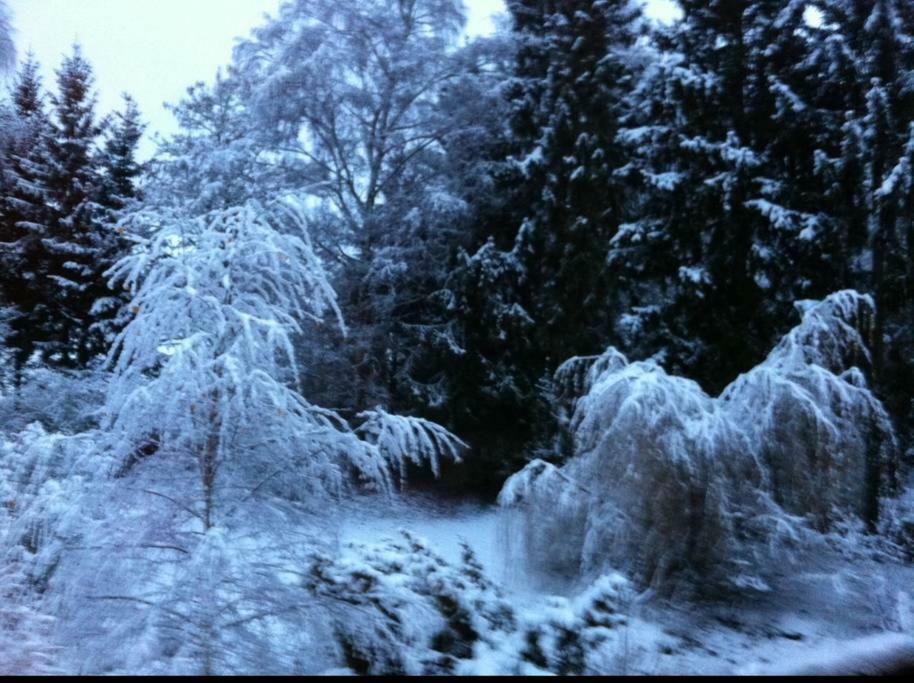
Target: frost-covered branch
676 482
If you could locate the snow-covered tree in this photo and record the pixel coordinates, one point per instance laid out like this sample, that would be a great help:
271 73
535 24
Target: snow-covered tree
725 212
867 48
216 160
668 482
206 447
206 369
118 157
827 442
574 63
75 238
58 225
533 286
348 87
26 215
660 483
119 177
347 91
7 45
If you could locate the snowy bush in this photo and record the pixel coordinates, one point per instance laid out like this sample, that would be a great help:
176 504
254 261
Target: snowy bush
667 482
42 476
572 637
396 608
65 401
639 432
826 440
26 647
135 587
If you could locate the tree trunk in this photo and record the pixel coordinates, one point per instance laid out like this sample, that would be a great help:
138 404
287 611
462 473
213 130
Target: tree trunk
209 462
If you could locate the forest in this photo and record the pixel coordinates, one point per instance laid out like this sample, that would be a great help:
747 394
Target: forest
581 347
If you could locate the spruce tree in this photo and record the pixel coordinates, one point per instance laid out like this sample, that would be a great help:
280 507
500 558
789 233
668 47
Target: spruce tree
533 287
572 72
26 214
76 240
120 172
725 230
118 157
869 170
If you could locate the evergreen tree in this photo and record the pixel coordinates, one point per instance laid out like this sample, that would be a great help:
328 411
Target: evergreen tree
26 215
871 48
726 229
63 196
120 172
118 156
533 287
77 237
571 74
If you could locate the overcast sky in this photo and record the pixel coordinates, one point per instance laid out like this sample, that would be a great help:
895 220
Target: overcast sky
154 49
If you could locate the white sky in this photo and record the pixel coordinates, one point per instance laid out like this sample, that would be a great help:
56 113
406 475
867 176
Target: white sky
154 49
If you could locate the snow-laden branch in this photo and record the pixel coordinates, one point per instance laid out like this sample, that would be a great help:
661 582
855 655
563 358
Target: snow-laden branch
666 480
400 438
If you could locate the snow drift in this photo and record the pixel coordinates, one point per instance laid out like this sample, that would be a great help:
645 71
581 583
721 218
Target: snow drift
666 481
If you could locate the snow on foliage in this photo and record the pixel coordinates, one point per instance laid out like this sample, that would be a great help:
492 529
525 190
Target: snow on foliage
399 437
162 542
206 369
376 65
826 440
397 608
639 431
25 647
61 400
668 482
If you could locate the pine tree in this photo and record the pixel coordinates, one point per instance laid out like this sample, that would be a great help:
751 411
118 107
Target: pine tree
533 286
572 71
871 48
120 172
77 238
26 215
726 230
119 156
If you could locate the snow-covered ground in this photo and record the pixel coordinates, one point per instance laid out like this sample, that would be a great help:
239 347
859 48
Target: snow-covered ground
844 617
444 525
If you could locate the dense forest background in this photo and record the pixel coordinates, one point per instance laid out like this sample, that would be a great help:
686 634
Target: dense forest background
381 255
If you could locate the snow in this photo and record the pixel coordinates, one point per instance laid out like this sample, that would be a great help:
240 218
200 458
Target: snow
190 507
875 655
843 603
444 525
674 486
845 617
